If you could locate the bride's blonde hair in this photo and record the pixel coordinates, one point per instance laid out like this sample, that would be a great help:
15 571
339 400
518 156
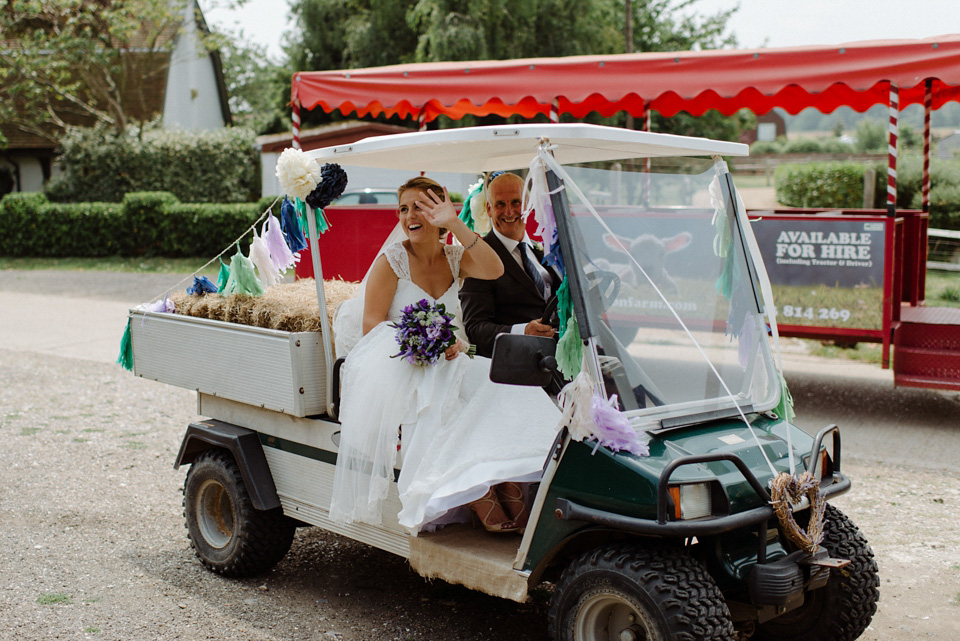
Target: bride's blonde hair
422 183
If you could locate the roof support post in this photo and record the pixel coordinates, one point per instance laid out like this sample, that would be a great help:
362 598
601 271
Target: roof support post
927 105
894 130
422 119
555 109
295 118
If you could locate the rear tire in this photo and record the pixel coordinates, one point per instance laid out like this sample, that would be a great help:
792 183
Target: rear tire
228 535
627 593
842 609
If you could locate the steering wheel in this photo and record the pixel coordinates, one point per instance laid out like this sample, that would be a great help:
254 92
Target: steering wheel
550 316
606 284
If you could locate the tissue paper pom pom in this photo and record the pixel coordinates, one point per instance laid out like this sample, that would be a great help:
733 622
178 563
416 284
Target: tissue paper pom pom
298 173
332 183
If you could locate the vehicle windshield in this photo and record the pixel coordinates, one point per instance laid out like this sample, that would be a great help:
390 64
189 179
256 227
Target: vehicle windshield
660 238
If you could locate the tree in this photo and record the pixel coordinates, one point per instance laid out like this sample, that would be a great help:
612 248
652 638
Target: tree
342 34
71 63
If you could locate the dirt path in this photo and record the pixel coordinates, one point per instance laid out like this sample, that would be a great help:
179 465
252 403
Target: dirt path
92 543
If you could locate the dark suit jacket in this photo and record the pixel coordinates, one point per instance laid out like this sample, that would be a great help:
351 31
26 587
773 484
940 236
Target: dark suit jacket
491 307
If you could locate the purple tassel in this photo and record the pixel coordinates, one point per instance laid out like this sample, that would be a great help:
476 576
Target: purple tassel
613 429
283 259
164 306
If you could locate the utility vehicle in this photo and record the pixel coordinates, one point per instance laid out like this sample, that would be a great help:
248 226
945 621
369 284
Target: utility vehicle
668 291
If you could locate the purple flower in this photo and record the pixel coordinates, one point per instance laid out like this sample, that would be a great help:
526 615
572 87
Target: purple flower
424 332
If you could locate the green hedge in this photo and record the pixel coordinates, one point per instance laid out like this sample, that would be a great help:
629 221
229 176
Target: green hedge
144 224
828 184
220 166
840 184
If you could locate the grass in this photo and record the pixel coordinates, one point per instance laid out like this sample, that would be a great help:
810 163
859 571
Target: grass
54 598
864 352
943 289
91 630
29 431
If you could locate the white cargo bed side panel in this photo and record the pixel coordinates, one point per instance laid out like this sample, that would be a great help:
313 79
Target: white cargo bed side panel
305 486
277 370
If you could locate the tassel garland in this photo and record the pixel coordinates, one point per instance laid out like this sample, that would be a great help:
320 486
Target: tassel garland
784 408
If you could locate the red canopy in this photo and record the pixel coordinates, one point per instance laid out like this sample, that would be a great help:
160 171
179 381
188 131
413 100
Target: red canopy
856 74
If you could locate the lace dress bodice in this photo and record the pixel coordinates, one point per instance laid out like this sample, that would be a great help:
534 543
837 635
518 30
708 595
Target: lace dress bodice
409 292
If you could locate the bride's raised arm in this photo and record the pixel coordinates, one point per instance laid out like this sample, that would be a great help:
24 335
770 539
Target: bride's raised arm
479 260
381 286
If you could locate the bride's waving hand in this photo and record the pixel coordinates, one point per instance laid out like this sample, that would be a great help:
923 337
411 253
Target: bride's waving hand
479 260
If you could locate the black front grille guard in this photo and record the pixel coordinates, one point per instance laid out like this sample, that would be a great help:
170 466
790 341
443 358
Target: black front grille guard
568 510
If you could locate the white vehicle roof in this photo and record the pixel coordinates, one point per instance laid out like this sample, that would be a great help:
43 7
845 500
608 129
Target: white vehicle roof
504 147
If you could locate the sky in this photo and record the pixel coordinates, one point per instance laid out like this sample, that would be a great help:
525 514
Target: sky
771 23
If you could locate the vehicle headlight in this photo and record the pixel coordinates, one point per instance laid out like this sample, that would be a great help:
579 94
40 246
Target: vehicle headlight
691 501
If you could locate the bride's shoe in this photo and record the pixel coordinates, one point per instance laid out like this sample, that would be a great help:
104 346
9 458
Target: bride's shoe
511 498
485 509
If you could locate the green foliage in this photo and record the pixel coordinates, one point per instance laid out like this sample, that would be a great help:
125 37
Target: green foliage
70 63
208 166
803 146
830 184
144 224
767 147
871 137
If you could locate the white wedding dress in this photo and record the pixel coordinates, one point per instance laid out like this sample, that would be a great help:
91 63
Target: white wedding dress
461 433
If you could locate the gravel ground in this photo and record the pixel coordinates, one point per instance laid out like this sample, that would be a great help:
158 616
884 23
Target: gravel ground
92 542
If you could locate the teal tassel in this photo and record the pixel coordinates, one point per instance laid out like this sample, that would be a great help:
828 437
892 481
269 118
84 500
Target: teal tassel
243 277
301 208
321 219
126 350
466 213
223 277
570 350
785 408
564 305
322 224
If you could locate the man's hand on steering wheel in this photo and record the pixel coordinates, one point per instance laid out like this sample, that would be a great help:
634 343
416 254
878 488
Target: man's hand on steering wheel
537 328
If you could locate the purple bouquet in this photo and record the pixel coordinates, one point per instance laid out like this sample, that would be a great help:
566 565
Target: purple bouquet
424 332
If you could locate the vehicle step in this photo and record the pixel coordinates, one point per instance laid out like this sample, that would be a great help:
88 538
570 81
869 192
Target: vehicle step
929 336
915 364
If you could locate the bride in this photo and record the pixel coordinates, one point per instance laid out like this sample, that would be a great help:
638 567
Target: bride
458 438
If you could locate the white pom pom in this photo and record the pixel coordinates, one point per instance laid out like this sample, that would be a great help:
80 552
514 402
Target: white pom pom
298 173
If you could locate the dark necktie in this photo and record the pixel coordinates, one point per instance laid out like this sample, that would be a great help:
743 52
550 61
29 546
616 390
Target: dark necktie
531 269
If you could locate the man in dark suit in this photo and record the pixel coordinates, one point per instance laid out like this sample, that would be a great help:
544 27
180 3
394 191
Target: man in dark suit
515 302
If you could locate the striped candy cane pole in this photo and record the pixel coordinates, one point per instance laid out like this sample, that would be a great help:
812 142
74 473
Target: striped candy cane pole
422 118
555 109
892 150
927 105
296 124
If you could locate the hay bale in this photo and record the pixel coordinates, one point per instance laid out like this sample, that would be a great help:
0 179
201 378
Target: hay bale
291 307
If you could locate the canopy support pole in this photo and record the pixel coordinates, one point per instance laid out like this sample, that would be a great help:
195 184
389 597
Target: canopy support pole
927 105
555 109
894 131
295 118
422 118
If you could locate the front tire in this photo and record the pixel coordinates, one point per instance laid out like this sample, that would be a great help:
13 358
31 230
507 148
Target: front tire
844 607
228 535
627 593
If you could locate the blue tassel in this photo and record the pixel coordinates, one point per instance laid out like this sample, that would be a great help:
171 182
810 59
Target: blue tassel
126 349
290 224
202 285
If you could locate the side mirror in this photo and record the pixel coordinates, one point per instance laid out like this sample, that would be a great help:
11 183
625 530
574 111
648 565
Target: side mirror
523 360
